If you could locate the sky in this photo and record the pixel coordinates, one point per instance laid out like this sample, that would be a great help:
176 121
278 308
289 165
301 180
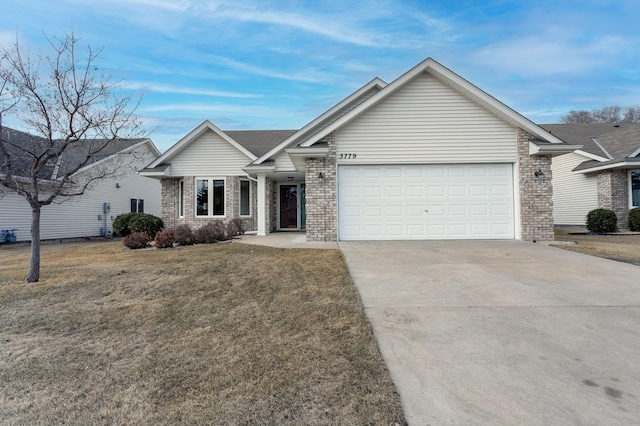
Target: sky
246 64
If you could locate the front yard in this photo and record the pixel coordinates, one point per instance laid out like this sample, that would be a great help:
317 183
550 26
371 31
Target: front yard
620 247
215 334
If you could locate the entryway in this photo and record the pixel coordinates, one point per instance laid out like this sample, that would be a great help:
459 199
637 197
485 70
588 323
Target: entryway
292 215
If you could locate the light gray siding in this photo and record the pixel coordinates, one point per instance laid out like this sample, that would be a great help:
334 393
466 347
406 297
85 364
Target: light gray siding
78 216
207 155
574 194
426 122
283 162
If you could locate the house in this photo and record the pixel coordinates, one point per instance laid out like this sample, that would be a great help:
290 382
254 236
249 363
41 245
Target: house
428 156
91 214
604 173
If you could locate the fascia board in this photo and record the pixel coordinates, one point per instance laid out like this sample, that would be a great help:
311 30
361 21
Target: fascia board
634 153
553 150
622 164
375 82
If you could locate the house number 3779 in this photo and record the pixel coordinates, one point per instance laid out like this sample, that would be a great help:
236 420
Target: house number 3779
347 156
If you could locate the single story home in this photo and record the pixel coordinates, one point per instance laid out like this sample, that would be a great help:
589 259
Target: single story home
428 156
91 214
604 173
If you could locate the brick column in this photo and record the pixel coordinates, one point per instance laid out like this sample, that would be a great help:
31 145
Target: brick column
536 203
170 198
322 204
613 194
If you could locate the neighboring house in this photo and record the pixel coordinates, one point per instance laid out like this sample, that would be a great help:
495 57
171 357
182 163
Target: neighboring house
84 216
428 156
605 173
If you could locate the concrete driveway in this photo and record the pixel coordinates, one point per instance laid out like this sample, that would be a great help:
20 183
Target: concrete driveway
503 332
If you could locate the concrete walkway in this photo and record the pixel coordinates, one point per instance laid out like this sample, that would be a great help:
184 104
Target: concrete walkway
285 239
503 332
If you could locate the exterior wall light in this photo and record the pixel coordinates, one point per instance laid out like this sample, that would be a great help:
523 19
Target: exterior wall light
539 174
320 175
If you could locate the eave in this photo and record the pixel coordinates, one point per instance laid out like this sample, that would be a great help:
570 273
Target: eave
552 149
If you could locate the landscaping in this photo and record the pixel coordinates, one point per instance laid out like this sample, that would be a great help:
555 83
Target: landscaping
618 246
203 334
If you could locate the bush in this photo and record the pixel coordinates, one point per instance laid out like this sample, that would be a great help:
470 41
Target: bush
634 219
165 239
211 233
121 224
137 240
184 235
128 223
147 223
234 227
601 221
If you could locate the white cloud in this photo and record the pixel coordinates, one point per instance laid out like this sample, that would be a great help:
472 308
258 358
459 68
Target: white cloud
161 88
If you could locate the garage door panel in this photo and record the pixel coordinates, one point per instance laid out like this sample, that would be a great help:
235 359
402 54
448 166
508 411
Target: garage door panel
426 202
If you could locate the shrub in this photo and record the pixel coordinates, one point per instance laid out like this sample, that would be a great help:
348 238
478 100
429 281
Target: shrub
634 219
137 240
147 223
184 235
234 227
127 223
211 233
165 239
601 221
121 224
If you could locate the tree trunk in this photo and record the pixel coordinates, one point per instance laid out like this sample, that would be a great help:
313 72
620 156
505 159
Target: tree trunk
34 267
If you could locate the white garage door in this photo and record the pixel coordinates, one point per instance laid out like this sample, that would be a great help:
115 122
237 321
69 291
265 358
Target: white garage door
421 202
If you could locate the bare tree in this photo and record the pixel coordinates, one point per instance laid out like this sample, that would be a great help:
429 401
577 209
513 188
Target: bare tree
608 114
74 112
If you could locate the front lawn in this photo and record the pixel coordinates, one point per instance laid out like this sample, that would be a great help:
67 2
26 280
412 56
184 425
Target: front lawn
620 247
212 334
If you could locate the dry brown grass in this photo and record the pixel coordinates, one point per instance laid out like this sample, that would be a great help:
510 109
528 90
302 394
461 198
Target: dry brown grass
220 334
620 247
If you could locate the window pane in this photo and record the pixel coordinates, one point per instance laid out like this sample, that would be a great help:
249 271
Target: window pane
218 198
245 200
140 206
134 205
635 189
202 200
181 198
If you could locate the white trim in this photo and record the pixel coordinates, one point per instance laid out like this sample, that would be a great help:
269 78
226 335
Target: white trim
634 153
373 83
553 150
181 198
609 157
193 135
242 179
210 197
457 83
262 205
618 165
629 172
590 155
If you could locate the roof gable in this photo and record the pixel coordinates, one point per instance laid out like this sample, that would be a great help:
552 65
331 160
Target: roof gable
335 113
451 80
193 136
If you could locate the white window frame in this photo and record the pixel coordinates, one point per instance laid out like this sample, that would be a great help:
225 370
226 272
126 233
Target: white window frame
181 198
630 186
210 196
240 199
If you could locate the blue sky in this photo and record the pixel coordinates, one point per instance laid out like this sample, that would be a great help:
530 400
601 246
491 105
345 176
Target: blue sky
279 64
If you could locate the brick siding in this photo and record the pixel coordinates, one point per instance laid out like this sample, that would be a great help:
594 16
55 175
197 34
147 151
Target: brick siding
613 194
536 204
321 197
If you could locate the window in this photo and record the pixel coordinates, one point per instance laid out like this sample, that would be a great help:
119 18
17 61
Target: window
209 197
634 177
245 198
137 205
181 198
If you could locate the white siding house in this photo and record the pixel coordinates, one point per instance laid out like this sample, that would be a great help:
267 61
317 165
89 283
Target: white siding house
574 194
83 216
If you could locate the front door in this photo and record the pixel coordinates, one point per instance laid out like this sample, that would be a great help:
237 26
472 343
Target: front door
291 198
